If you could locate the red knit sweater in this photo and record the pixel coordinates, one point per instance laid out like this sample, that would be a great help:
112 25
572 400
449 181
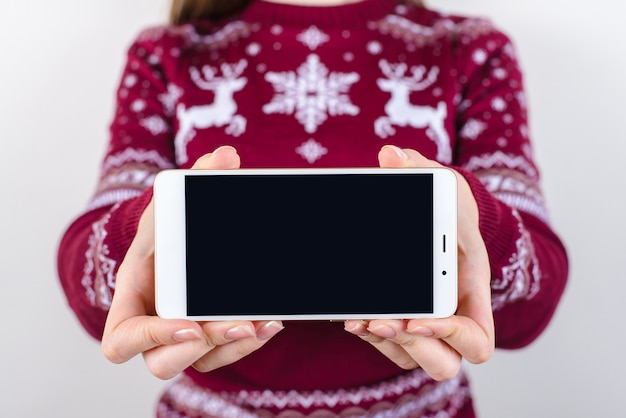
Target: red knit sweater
293 86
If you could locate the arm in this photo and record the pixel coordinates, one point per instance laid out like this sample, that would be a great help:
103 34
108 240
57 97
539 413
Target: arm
106 257
529 265
512 266
94 245
88 257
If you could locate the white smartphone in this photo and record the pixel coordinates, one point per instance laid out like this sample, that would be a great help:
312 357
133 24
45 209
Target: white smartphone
305 244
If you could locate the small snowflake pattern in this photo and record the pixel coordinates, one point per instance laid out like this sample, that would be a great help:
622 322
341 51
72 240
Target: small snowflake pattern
311 150
472 129
313 37
155 125
374 47
312 93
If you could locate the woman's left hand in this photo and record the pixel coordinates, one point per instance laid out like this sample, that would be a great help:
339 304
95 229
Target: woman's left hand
439 345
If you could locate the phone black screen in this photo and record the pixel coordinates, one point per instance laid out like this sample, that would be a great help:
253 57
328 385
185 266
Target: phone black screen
309 244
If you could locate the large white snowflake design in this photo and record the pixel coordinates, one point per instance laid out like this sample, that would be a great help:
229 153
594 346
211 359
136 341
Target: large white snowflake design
312 93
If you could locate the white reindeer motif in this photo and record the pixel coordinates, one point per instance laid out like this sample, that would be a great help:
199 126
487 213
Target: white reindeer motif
401 112
219 113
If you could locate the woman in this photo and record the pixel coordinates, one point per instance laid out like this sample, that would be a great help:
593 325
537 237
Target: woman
320 83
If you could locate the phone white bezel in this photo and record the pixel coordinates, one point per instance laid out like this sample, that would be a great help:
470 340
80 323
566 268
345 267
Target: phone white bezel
169 222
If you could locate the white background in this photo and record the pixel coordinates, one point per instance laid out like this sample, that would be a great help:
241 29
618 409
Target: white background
59 65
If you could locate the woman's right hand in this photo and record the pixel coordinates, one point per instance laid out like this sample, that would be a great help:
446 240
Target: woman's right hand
169 346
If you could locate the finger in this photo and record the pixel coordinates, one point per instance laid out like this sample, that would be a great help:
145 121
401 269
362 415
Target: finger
166 361
437 358
229 353
138 334
464 335
355 327
223 158
131 327
471 331
382 343
391 156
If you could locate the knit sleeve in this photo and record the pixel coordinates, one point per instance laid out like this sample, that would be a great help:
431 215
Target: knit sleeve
95 243
529 264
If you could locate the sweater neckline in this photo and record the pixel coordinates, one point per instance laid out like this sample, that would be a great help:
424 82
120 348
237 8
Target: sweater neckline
346 15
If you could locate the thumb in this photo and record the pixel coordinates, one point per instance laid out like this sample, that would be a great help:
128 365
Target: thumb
391 156
223 158
142 333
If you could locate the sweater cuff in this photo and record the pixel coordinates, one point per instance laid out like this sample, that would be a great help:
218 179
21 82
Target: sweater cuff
124 221
495 227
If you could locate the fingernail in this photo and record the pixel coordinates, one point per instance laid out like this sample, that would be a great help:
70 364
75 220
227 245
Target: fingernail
186 335
384 331
237 333
421 331
268 330
222 147
358 328
400 153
